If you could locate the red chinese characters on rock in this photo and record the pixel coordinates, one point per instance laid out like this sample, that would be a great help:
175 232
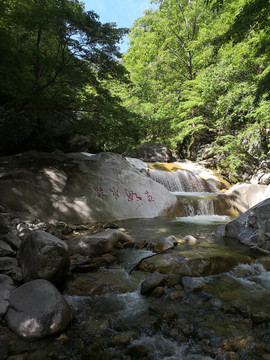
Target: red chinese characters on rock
149 197
99 191
115 193
132 195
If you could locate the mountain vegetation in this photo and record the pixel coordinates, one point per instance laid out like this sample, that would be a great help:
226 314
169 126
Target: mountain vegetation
196 76
55 58
200 76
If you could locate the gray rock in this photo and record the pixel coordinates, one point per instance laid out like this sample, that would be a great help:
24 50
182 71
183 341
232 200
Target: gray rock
12 240
4 304
139 164
43 256
6 287
191 240
37 309
5 249
7 263
151 282
6 283
251 228
101 243
16 274
162 245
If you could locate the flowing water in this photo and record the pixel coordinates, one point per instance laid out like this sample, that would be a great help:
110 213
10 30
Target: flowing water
226 319
196 195
192 326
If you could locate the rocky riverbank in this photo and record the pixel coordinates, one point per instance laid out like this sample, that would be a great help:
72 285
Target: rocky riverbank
97 309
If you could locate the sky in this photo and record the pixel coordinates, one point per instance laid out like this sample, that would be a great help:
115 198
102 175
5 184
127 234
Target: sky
122 12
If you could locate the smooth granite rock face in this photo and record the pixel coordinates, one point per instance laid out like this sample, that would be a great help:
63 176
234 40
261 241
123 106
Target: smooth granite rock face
79 188
243 196
37 309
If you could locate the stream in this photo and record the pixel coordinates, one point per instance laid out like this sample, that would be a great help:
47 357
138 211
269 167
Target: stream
225 318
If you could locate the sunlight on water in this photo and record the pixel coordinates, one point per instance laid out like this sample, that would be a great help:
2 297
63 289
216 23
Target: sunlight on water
203 219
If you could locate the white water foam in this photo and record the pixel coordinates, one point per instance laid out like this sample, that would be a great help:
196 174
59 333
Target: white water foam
165 349
253 276
203 219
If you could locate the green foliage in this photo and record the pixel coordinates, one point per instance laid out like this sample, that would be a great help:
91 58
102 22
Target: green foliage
196 73
51 50
200 70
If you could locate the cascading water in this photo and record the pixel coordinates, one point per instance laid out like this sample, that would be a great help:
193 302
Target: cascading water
196 195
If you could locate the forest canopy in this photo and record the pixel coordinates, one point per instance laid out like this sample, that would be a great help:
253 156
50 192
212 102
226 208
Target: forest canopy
196 75
200 77
55 61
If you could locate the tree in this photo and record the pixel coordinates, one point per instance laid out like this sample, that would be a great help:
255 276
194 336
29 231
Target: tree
52 51
203 67
164 54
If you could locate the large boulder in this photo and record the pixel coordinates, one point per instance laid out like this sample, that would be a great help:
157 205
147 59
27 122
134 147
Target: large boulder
243 196
152 153
79 188
37 309
43 256
252 228
101 243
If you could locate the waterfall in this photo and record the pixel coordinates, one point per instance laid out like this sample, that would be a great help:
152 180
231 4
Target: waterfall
196 195
183 181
